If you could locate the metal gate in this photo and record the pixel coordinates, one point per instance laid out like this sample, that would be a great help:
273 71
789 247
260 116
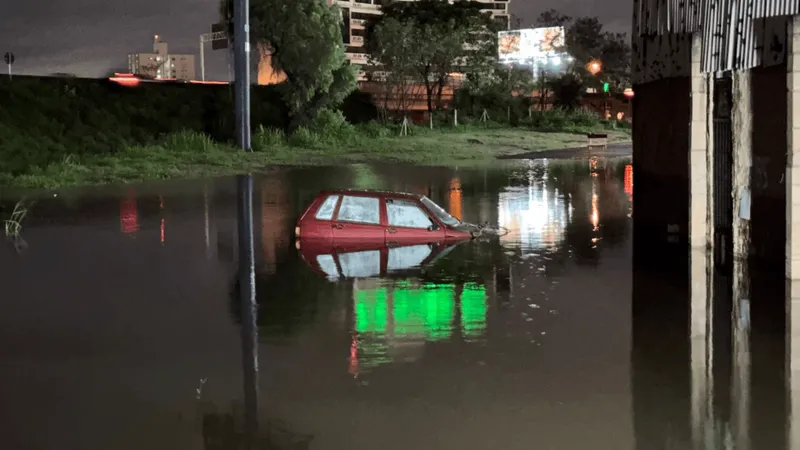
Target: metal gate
723 171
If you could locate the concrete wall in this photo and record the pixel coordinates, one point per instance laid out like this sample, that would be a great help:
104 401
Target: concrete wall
660 163
768 140
700 155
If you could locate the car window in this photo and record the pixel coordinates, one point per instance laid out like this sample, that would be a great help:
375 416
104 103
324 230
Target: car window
443 215
325 211
360 210
403 213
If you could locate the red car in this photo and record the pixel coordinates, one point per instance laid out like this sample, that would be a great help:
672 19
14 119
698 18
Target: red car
371 216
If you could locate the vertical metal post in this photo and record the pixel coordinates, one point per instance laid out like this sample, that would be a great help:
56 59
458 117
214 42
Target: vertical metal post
202 61
241 66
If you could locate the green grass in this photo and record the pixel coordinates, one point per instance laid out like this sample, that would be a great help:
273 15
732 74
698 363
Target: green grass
193 155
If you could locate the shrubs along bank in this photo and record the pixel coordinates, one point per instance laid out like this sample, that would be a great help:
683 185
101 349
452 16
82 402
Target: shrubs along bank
56 133
328 140
43 120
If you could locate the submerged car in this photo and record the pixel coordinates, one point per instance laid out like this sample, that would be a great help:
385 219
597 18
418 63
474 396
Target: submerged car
393 218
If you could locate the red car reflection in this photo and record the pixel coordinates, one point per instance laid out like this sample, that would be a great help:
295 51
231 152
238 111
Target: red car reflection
366 260
372 216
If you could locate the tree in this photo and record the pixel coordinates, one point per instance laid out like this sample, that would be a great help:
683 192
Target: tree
447 38
394 53
586 40
305 40
567 91
506 91
552 18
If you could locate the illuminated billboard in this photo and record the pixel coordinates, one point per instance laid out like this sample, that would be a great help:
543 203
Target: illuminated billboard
532 43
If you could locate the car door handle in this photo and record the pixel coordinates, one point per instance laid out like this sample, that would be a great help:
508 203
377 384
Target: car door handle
391 230
392 244
338 226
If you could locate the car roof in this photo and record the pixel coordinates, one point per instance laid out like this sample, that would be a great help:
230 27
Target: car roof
366 192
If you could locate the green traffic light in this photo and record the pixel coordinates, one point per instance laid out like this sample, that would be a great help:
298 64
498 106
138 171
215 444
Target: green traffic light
605 87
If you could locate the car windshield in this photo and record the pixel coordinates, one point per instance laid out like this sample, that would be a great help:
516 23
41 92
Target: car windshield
440 213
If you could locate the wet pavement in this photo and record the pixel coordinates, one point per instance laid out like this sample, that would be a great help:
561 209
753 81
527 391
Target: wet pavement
121 326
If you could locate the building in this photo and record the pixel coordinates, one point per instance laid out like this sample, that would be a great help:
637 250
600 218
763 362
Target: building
160 64
717 126
356 13
716 143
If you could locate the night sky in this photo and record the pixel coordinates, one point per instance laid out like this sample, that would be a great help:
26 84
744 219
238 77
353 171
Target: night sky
92 37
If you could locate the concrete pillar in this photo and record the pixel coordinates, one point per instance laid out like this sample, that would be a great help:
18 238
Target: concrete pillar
793 152
742 121
793 228
700 167
793 360
700 346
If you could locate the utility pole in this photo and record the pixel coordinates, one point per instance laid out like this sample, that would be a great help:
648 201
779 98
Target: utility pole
247 278
241 67
9 58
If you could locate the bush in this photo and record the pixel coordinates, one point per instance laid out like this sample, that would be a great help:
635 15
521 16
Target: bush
44 119
557 119
374 130
189 141
267 138
305 137
331 127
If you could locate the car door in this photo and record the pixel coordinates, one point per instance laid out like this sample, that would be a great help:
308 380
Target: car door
408 223
358 219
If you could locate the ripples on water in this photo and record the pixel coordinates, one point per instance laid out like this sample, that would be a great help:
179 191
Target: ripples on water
121 326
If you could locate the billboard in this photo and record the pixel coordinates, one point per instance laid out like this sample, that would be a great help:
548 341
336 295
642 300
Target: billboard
527 44
219 44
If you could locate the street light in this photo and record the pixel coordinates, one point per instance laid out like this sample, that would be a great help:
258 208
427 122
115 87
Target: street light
594 66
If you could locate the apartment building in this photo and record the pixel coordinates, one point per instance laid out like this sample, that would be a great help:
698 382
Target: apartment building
160 64
356 13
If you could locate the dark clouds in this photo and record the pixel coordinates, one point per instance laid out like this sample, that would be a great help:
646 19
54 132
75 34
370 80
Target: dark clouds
91 37
614 14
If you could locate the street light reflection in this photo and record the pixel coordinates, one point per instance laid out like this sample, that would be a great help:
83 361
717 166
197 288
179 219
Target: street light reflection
535 216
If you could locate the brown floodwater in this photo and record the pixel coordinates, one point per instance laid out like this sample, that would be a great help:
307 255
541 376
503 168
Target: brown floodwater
121 327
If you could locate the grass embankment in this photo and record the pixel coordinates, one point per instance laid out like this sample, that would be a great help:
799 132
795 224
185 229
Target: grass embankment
62 132
190 154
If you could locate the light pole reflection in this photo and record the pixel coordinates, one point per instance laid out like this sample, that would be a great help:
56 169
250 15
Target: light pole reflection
247 293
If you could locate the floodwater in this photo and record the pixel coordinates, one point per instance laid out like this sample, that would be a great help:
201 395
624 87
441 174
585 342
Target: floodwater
121 326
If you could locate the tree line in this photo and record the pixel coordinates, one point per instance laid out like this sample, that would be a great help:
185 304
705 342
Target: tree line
419 46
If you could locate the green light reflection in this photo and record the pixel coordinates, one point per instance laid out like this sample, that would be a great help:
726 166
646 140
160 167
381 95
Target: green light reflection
416 311
473 311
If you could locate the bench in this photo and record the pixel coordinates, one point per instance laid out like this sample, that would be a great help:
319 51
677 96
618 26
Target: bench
597 140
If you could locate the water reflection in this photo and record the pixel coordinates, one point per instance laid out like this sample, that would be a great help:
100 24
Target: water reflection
394 320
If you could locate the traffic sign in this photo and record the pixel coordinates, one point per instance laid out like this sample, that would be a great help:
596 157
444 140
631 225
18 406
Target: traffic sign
9 58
